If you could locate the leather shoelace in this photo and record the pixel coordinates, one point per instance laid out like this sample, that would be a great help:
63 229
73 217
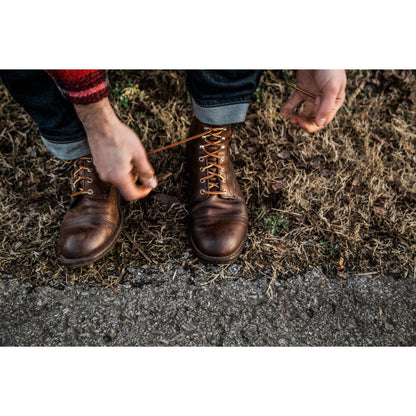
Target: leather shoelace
309 94
197 136
213 139
213 143
78 174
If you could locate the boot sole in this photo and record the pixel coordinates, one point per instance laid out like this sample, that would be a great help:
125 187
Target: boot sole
219 260
83 261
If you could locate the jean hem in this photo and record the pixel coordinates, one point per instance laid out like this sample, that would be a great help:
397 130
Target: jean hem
68 150
221 114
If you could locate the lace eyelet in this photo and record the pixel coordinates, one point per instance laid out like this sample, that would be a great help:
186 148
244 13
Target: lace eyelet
222 159
201 146
89 180
201 160
90 192
223 139
224 129
201 169
89 170
202 180
89 160
224 180
222 170
202 192
222 147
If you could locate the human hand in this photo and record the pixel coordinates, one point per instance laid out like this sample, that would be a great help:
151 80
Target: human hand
329 88
118 154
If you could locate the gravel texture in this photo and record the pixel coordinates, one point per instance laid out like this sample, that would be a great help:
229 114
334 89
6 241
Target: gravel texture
154 307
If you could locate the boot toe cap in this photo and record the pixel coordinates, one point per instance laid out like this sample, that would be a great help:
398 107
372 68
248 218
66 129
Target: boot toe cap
85 241
221 242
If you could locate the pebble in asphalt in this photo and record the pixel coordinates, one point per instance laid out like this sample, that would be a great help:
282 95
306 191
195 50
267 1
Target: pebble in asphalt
174 307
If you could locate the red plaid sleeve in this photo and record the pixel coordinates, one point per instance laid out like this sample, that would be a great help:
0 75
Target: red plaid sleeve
82 86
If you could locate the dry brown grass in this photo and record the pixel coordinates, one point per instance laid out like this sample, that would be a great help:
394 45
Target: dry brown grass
343 199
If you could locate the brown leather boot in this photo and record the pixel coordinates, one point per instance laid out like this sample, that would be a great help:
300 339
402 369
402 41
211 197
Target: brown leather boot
93 221
218 217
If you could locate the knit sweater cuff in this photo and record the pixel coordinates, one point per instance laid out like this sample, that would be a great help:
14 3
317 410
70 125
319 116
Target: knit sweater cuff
82 86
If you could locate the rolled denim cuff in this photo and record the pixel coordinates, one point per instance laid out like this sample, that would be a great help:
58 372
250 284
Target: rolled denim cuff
221 114
68 150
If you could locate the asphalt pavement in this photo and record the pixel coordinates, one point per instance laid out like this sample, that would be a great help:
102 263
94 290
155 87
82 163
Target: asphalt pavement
174 307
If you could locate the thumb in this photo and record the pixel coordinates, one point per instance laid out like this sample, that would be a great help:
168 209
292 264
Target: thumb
143 170
148 178
130 190
327 107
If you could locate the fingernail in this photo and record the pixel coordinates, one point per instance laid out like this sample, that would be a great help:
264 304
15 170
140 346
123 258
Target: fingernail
321 122
151 183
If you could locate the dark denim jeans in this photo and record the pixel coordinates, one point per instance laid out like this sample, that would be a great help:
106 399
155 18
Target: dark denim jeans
60 129
218 97
222 96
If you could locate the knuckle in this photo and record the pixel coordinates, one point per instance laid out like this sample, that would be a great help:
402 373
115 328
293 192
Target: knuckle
333 87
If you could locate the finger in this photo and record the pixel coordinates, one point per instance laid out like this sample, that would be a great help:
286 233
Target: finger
308 121
306 124
329 104
309 110
292 103
143 169
130 190
306 118
148 179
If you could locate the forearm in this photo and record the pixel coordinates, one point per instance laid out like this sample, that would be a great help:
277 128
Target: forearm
97 117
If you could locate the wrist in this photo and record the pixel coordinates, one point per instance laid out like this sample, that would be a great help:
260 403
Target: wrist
96 117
